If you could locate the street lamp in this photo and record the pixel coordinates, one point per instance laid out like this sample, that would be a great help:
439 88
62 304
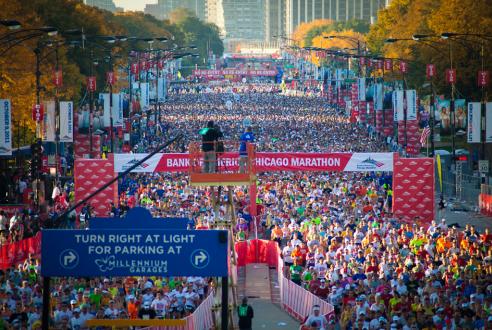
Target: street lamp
11 24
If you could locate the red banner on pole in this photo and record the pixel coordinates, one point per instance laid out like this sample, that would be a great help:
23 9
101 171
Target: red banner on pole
111 77
37 112
143 65
403 67
388 64
160 64
134 68
483 78
58 78
91 84
430 70
362 61
450 76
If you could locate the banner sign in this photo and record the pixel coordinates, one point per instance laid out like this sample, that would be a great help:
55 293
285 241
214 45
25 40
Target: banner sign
403 67
37 113
430 71
488 122
66 121
15 253
388 64
451 76
413 190
483 78
144 96
49 122
5 128
161 89
398 114
134 253
134 69
411 104
91 84
58 78
237 72
110 77
117 110
265 162
361 89
474 120
378 97
104 99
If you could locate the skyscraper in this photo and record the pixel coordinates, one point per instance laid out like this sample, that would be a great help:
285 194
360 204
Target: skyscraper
275 11
244 19
300 11
215 14
163 8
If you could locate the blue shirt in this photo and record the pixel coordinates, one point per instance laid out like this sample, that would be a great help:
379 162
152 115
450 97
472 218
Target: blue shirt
245 137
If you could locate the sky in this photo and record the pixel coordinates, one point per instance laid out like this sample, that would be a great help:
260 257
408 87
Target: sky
133 4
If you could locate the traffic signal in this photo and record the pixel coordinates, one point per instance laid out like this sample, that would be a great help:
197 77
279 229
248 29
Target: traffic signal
37 158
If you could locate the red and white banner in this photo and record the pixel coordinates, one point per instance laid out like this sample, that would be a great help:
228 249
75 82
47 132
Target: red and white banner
82 146
388 64
90 175
403 67
110 77
483 78
134 68
16 253
450 76
265 162
58 78
38 113
237 72
430 71
91 84
413 189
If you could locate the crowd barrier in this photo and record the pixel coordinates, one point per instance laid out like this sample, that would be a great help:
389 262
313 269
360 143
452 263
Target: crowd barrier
295 300
201 319
15 253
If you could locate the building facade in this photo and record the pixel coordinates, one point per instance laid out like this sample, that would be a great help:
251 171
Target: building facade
103 4
244 19
163 8
275 19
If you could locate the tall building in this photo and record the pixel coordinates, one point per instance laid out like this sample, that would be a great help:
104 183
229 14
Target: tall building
275 11
244 19
163 8
215 14
299 11
103 4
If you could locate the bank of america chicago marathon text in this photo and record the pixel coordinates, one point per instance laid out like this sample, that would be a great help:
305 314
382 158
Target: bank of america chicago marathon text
134 244
266 162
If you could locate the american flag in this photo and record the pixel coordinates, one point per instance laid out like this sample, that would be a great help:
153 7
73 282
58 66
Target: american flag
425 134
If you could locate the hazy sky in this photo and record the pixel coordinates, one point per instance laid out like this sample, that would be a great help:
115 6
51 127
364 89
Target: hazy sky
133 4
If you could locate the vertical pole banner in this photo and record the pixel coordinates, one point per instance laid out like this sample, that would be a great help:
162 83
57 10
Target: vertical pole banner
66 121
388 64
488 122
117 109
161 89
474 120
398 114
49 122
483 78
5 128
430 71
450 76
104 97
378 97
144 96
411 104
361 89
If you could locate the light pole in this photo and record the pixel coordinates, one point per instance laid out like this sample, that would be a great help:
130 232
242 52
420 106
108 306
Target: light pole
417 38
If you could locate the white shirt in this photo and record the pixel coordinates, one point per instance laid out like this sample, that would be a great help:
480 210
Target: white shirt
286 252
320 320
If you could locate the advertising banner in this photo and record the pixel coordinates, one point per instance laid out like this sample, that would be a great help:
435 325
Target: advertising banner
413 190
265 161
104 99
90 175
37 113
444 115
144 96
15 253
361 89
474 119
398 114
49 122
488 122
161 89
66 121
460 114
378 97
237 72
411 104
117 110
5 128
430 71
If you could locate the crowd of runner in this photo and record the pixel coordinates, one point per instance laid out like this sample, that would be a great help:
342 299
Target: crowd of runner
338 237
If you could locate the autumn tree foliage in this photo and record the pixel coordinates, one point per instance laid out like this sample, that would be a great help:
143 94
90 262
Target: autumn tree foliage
404 18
